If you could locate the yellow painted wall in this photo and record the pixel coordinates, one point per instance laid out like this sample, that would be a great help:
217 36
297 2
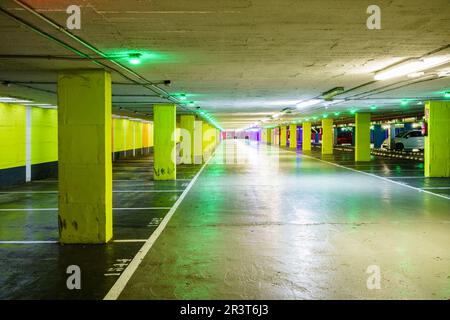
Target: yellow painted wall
12 136
44 135
138 135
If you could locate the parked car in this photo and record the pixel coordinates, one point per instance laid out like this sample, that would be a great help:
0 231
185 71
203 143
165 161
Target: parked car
408 140
344 138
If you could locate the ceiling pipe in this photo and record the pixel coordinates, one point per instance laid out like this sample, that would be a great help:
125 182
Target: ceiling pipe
149 85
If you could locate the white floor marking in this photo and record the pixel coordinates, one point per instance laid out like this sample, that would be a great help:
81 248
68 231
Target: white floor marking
56 209
382 178
122 281
26 192
30 209
54 241
28 242
115 191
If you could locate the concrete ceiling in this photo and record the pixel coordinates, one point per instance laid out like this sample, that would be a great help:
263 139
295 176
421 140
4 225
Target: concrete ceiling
241 61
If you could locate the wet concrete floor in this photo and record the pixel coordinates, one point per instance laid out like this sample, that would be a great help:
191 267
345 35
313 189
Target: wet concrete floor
269 223
33 265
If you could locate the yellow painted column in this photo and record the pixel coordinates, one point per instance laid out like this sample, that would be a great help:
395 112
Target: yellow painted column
198 142
362 137
187 126
164 121
293 136
437 150
283 139
306 136
327 136
206 150
269 136
84 157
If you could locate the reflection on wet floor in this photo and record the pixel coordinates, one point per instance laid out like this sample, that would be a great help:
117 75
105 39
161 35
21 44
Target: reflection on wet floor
37 270
409 172
266 223
260 223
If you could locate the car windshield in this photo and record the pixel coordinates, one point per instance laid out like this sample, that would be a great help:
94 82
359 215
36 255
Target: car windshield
401 134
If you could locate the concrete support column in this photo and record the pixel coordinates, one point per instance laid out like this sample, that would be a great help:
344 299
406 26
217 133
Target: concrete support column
327 136
306 138
362 138
198 142
206 141
437 151
378 136
293 136
84 157
164 119
269 136
187 126
283 139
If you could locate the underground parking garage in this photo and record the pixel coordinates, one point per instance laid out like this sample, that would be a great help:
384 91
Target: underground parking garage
224 150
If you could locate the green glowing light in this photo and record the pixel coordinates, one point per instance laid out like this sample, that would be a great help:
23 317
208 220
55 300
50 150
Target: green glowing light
447 94
182 96
191 103
325 115
337 113
404 102
373 107
315 118
353 111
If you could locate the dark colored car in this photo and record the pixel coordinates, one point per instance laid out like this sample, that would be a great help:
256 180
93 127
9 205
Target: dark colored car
344 138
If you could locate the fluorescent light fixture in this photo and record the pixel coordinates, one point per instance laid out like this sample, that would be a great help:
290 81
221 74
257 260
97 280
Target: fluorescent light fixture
410 66
13 100
415 74
308 103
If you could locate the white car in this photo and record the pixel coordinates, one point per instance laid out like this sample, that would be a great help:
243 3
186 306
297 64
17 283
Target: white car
409 140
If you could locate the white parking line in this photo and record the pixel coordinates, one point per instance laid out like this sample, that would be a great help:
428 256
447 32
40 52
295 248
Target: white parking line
122 281
29 242
382 178
56 209
54 241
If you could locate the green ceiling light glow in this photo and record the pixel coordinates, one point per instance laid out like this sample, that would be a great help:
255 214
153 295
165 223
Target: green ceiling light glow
337 113
182 96
447 94
353 111
325 115
404 102
191 103
134 58
315 118
373 107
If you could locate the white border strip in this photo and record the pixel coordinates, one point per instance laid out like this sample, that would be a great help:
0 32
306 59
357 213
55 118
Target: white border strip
382 178
56 209
119 285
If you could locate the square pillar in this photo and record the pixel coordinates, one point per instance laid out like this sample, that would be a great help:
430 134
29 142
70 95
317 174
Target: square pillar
283 140
187 128
378 136
198 142
84 157
362 137
437 151
269 136
206 141
306 136
327 136
164 122
293 136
